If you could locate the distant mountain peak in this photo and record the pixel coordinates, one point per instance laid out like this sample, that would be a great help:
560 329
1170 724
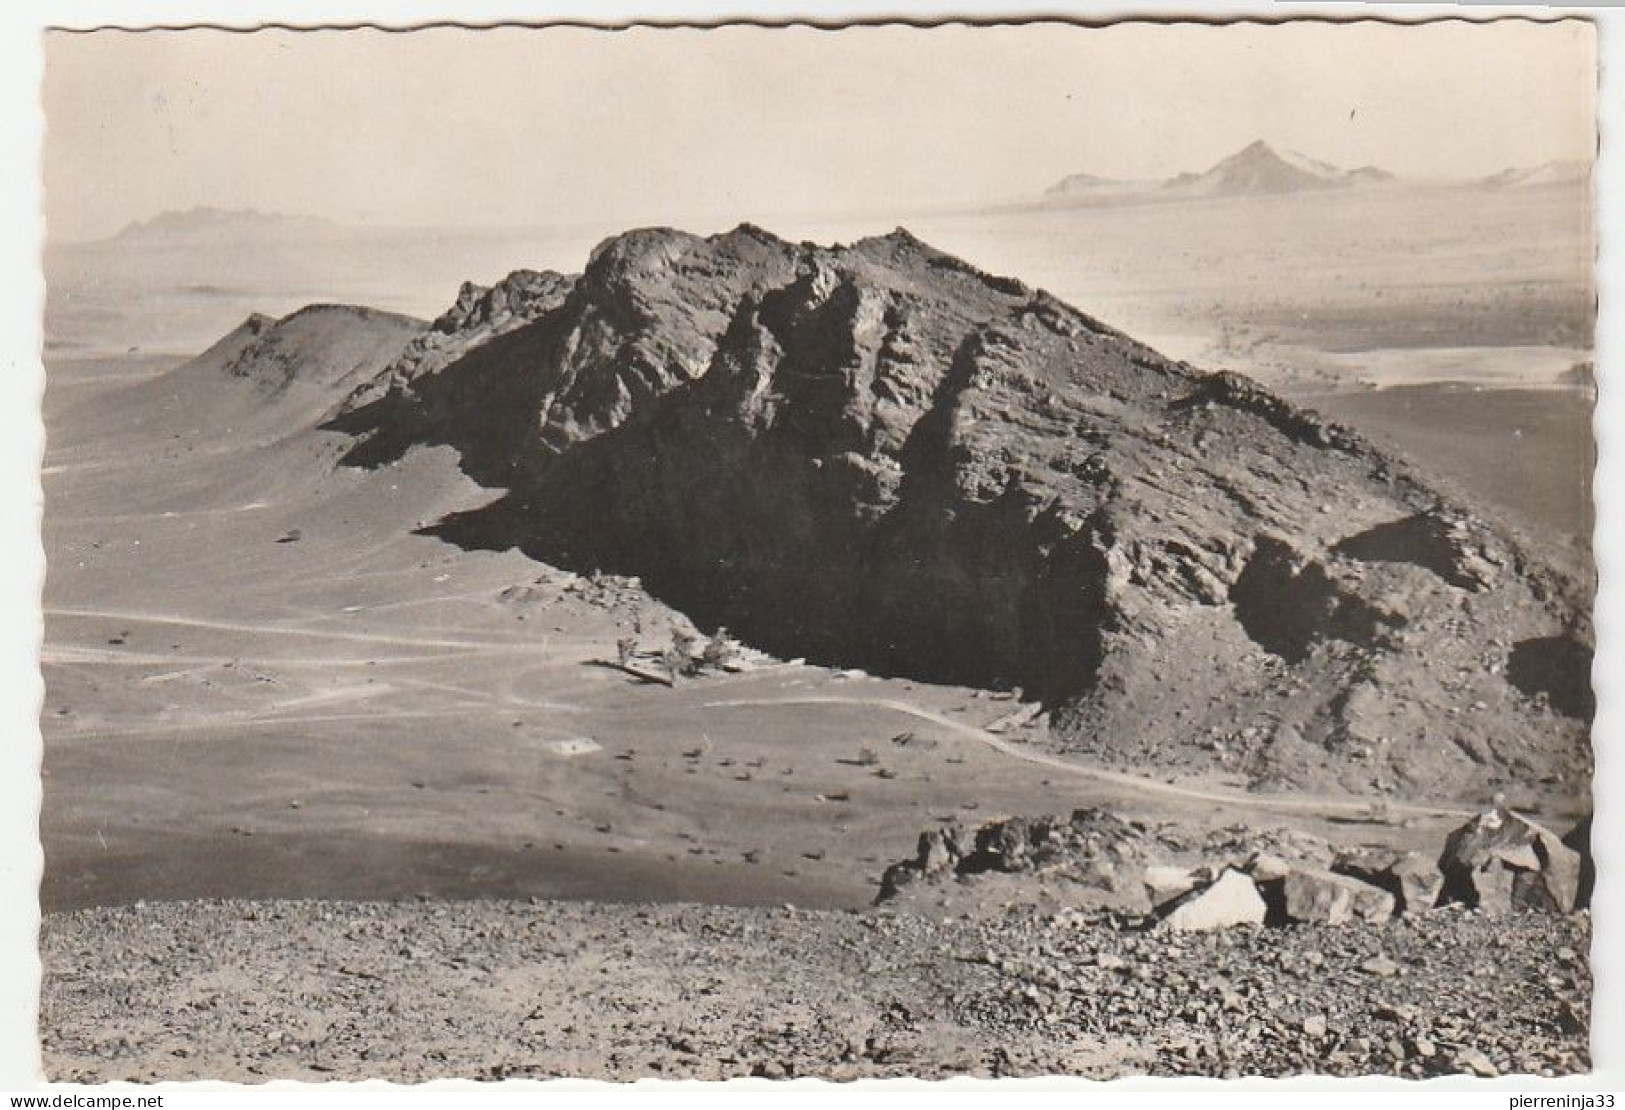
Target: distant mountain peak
1256 149
1257 169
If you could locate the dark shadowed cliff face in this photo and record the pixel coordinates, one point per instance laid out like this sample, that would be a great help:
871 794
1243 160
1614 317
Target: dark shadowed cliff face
878 456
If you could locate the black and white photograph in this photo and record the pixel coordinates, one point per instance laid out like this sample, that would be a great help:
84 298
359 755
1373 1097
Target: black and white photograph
897 550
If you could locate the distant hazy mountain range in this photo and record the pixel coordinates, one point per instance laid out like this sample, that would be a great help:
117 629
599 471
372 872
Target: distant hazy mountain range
1547 173
1259 169
198 226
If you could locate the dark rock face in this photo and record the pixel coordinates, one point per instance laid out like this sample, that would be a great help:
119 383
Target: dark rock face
1288 602
1578 840
1556 668
878 456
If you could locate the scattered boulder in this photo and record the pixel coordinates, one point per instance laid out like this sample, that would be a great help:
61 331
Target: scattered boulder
1496 862
1231 899
939 852
1553 886
1318 897
1501 859
1412 878
1301 891
1578 839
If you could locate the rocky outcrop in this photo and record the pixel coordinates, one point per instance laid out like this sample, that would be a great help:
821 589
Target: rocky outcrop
479 315
1440 542
1094 857
1100 855
518 298
1289 602
878 456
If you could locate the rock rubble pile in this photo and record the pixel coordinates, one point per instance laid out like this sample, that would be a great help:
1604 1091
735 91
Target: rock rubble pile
1170 878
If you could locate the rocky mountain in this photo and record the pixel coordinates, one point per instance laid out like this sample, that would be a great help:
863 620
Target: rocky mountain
876 455
1258 169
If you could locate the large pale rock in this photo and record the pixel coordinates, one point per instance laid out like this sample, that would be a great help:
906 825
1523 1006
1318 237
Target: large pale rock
1491 887
1267 868
1325 898
1231 899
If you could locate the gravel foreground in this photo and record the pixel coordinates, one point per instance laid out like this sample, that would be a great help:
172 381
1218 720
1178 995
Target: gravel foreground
310 991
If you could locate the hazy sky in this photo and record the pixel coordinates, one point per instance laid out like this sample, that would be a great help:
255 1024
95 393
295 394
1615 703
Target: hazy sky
563 125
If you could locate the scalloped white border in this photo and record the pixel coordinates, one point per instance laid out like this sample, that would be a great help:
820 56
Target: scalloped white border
21 444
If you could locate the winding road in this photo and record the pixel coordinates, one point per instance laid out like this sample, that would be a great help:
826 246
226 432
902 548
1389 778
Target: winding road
1316 804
